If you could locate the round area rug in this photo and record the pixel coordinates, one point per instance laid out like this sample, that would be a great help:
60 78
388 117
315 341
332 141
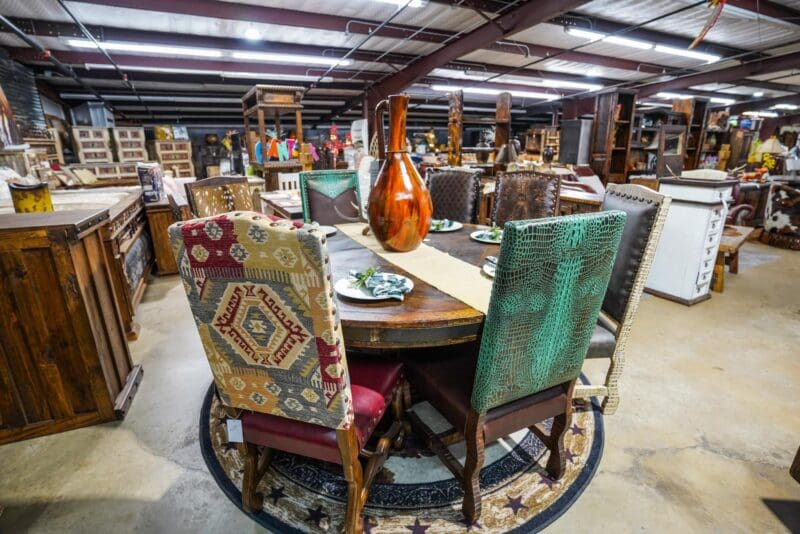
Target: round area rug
414 492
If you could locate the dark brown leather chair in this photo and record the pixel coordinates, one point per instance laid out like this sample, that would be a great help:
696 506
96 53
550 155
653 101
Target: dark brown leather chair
456 194
525 195
646 210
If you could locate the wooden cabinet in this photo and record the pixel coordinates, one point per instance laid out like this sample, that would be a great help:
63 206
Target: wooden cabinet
160 215
92 145
175 156
611 134
695 113
129 144
64 359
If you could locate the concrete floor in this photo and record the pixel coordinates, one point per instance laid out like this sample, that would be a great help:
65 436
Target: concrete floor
708 426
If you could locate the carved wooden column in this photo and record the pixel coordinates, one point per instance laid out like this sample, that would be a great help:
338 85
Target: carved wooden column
455 128
502 134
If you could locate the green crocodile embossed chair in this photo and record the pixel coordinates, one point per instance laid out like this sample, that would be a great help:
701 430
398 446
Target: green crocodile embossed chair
550 281
330 197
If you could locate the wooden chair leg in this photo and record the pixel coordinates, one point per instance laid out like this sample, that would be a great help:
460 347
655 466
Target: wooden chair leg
255 466
733 266
473 434
353 474
557 462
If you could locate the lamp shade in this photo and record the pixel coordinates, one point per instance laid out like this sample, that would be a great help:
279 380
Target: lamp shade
771 146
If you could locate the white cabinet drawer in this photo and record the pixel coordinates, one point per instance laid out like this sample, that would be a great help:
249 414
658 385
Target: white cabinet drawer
700 289
715 226
716 214
705 277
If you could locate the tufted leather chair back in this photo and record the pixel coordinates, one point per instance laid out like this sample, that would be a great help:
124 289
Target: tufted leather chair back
262 300
646 210
455 194
525 195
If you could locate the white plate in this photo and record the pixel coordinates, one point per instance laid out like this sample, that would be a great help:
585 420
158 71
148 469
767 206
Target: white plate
344 287
454 225
474 235
489 269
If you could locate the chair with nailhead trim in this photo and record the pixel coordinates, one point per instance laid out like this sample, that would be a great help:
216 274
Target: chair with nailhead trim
262 299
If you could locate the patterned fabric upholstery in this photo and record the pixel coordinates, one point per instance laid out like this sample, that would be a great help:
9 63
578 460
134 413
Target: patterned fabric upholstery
330 197
262 300
215 196
455 194
550 281
525 195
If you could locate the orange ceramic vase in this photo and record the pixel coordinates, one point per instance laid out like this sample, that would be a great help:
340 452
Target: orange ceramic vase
400 205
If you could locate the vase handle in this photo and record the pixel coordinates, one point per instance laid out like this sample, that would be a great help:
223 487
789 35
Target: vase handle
380 108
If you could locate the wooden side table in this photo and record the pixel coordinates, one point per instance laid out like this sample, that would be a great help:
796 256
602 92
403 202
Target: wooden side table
733 237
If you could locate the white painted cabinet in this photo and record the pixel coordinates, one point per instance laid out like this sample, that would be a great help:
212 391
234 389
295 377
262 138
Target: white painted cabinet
684 261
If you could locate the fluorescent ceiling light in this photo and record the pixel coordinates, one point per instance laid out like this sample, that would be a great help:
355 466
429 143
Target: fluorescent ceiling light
252 34
613 39
673 96
708 58
147 48
765 114
221 74
632 43
718 100
563 84
519 80
758 94
272 57
784 106
586 34
494 92
411 3
466 108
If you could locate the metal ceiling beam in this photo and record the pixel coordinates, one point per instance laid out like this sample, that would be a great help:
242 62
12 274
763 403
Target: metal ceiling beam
768 8
764 104
731 74
523 17
105 33
79 58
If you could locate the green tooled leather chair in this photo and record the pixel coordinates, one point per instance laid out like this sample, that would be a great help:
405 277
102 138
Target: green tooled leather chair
330 197
549 284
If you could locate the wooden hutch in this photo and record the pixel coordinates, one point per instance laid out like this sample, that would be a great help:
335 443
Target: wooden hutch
611 134
264 102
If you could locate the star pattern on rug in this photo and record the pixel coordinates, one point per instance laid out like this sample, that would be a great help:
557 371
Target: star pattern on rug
316 515
276 494
547 481
230 446
576 430
570 456
515 503
222 420
470 524
418 528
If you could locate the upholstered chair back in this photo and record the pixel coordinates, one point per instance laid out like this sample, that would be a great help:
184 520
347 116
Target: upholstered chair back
524 195
550 280
262 300
215 196
647 211
330 197
455 194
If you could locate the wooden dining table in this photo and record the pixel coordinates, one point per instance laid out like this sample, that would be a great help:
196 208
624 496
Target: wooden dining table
427 317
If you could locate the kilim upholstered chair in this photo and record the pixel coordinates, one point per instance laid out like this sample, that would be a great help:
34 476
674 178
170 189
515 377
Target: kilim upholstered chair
330 197
550 280
262 299
456 194
215 196
524 195
647 211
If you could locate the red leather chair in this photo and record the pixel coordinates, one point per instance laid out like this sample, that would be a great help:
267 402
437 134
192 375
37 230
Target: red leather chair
262 299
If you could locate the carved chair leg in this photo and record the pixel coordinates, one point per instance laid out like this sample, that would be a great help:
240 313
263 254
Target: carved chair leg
473 434
353 474
611 401
554 441
255 466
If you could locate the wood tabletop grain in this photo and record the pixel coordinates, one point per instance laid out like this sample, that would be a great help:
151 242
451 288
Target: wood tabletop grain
427 317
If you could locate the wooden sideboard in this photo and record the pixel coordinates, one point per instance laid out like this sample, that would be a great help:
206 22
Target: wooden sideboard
64 358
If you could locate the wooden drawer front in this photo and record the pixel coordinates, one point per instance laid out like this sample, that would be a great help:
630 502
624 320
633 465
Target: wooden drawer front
93 145
90 133
175 156
94 156
133 155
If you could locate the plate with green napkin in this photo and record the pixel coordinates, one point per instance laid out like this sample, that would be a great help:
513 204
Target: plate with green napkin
445 225
491 235
371 285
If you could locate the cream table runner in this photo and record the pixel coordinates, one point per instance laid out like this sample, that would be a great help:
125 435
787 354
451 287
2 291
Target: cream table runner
450 275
